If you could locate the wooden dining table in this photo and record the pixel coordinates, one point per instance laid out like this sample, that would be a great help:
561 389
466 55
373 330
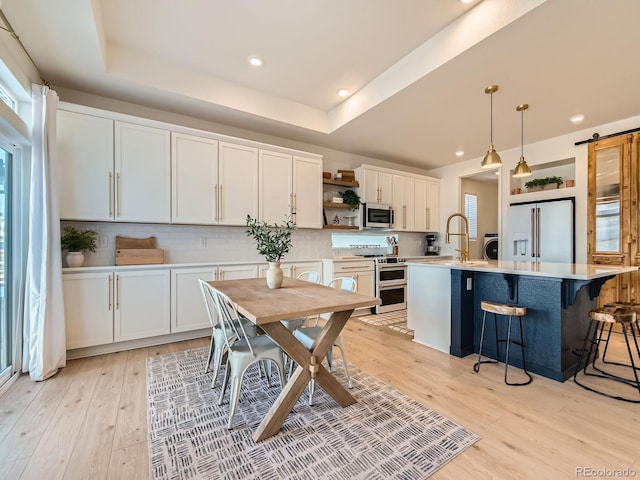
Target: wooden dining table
296 299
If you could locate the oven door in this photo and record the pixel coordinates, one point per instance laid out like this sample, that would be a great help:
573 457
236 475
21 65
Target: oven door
393 297
392 273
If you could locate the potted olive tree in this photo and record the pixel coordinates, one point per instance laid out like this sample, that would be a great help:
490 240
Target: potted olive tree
75 242
273 242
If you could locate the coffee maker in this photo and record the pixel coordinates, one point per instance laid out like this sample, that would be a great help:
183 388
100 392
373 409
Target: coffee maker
431 248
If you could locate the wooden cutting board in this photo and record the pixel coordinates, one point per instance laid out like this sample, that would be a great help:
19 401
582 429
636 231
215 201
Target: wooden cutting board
139 256
128 242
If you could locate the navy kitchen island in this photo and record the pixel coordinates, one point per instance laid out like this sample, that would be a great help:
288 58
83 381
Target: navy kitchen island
557 296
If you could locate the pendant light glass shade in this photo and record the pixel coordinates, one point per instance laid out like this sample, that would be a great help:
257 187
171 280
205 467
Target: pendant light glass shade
491 159
522 169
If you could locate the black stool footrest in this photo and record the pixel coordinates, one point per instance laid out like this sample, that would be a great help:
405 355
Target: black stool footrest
509 311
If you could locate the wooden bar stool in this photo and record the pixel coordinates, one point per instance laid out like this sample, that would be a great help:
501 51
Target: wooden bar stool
625 315
511 311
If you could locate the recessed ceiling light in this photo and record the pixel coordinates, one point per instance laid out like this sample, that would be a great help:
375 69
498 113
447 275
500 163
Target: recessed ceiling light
342 92
577 118
459 153
466 1
255 61
497 172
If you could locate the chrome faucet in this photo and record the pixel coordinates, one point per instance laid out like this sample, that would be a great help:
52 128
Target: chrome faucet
464 253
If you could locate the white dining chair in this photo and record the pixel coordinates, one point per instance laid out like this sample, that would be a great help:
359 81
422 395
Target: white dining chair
310 276
218 346
242 351
308 335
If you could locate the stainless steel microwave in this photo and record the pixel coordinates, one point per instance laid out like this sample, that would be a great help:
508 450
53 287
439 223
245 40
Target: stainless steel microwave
377 216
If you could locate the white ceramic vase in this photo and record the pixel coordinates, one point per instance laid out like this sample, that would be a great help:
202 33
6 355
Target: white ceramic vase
275 275
75 259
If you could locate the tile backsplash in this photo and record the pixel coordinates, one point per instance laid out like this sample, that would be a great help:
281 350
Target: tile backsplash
204 244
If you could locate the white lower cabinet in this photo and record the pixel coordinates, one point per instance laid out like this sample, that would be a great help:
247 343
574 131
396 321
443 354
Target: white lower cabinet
88 305
362 271
188 310
107 307
142 305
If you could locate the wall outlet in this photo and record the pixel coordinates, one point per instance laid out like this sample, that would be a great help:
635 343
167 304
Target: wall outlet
103 242
203 241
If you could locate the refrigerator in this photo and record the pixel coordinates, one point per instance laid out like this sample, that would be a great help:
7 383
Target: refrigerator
541 231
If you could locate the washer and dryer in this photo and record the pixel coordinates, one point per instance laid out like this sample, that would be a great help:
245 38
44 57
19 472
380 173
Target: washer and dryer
491 245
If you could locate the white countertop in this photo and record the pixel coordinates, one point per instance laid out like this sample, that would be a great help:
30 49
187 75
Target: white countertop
575 271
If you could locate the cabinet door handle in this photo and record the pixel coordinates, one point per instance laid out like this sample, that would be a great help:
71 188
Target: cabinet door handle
221 203
118 194
215 201
117 292
110 286
404 216
221 274
428 211
110 194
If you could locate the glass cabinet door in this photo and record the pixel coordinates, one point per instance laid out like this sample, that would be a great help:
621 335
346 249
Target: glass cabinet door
607 163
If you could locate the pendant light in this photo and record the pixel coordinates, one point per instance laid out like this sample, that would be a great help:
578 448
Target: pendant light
522 169
491 159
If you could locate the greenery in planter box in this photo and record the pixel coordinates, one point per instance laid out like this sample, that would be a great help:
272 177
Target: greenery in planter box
76 240
351 198
274 241
541 182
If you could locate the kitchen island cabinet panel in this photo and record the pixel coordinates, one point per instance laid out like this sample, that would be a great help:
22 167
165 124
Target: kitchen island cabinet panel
557 297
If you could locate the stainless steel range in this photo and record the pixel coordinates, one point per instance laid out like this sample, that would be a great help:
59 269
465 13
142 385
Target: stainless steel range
391 283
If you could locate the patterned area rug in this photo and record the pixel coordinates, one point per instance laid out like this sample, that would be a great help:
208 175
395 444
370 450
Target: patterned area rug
394 320
384 435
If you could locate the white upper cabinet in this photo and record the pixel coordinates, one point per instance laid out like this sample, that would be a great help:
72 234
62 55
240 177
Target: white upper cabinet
143 173
276 181
377 186
113 168
307 192
421 213
404 203
433 205
238 183
194 179
85 173
415 198
427 201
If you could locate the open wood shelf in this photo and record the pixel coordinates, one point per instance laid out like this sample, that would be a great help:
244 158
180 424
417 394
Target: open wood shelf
341 227
335 205
340 183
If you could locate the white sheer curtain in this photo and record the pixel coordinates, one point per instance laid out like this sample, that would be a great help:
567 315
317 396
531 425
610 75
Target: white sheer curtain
44 347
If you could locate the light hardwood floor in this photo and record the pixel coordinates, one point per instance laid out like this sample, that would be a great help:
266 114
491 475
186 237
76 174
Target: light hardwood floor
89 422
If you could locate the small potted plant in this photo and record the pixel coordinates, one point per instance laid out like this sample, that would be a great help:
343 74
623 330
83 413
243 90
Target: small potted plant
351 198
75 242
273 242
